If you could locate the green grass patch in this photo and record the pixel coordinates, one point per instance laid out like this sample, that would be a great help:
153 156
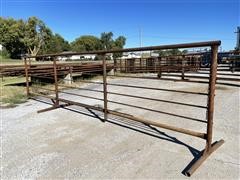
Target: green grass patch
12 80
8 61
12 94
14 99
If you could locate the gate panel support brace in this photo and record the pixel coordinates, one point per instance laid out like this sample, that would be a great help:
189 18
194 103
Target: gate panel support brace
54 107
195 164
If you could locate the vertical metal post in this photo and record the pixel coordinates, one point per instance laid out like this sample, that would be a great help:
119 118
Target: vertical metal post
155 64
27 77
147 63
183 70
105 86
70 72
121 65
211 94
134 65
55 81
233 66
160 67
125 66
140 64
115 66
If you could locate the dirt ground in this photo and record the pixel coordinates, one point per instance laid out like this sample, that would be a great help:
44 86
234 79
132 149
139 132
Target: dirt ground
75 143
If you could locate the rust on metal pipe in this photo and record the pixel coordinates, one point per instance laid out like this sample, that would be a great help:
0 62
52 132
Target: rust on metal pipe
157 124
161 125
80 88
149 65
160 89
209 148
160 100
85 96
211 94
26 74
183 70
55 81
149 48
158 111
71 73
203 157
105 86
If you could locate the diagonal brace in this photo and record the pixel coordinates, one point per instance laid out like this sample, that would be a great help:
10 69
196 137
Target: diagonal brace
54 107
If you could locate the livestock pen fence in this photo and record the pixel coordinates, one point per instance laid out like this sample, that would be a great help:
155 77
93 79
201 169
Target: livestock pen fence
192 67
174 63
58 93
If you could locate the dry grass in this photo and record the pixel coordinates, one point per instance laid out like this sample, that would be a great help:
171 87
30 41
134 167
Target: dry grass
11 93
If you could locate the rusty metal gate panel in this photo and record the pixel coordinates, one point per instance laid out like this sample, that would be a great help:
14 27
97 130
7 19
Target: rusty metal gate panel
150 65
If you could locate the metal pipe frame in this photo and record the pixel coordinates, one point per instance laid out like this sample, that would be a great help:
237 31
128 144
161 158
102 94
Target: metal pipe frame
27 77
154 123
149 48
209 147
105 86
55 82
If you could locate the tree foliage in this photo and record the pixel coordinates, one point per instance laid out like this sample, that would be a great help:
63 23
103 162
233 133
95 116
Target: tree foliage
56 44
170 52
86 43
31 36
11 36
36 34
105 42
119 44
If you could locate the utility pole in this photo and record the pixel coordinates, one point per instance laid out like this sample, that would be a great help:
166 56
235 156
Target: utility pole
238 39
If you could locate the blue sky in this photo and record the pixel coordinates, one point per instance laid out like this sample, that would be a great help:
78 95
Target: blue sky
161 21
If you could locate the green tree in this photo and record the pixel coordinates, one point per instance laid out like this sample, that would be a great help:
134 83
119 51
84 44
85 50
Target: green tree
92 43
20 37
86 43
11 36
171 52
56 44
36 34
107 40
109 43
119 44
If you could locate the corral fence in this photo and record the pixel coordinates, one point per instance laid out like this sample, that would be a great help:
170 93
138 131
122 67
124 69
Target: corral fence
58 92
176 63
185 66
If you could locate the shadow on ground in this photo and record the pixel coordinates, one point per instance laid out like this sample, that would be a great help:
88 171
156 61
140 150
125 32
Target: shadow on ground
137 127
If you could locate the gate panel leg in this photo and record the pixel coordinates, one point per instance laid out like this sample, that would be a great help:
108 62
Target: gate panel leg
204 155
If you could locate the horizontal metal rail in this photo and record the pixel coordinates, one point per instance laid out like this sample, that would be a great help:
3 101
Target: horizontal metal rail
157 124
140 97
160 89
144 87
201 77
80 88
160 100
129 105
220 74
157 111
149 48
71 93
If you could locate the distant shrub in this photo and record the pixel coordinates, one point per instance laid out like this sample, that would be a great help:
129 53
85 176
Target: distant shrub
4 54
